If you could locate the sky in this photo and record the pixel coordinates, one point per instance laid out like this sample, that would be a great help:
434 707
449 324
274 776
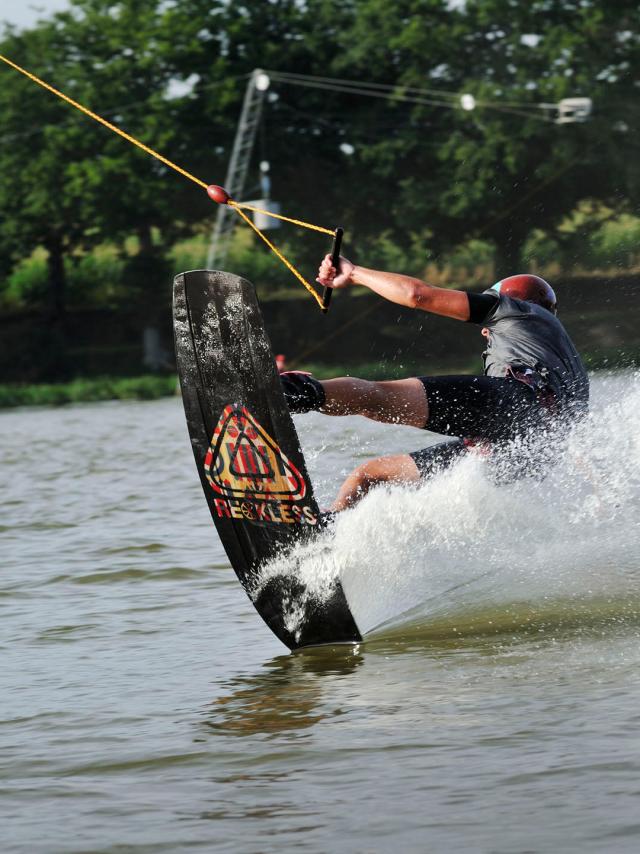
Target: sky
23 14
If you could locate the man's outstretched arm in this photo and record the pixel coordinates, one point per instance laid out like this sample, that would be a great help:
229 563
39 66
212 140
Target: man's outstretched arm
395 287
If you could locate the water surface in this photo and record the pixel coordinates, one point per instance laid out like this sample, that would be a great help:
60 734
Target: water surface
144 706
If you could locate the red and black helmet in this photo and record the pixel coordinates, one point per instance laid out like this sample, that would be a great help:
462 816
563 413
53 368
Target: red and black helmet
529 288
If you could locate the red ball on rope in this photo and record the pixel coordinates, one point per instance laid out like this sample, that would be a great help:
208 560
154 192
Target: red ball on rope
218 194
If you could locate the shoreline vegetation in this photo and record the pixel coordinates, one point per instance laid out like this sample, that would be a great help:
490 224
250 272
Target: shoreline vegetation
155 386
88 390
89 245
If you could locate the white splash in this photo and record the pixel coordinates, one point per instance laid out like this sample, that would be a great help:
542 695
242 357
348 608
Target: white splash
463 544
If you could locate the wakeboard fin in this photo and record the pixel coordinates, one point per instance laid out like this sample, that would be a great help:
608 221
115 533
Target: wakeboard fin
248 455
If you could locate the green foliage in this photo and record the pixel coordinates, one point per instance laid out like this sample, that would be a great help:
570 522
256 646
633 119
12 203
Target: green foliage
27 285
66 183
587 240
384 370
617 244
428 183
498 173
542 253
85 390
39 207
94 279
467 264
249 257
97 280
189 254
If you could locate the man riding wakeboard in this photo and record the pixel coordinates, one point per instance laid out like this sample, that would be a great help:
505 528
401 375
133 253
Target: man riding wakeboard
533 376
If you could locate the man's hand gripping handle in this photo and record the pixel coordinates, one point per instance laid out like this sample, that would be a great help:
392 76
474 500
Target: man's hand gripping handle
335 261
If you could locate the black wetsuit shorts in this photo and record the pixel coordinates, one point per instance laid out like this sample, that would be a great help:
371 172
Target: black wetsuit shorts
481 409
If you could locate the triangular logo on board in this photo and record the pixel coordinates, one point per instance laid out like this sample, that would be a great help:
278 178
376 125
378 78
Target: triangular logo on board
243 461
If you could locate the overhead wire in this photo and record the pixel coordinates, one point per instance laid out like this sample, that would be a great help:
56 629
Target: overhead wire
393 88
364 84
357 90
412 95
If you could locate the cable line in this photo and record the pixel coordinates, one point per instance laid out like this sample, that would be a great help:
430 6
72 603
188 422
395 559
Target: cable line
406 94
214 192
106 124
391 88
246 206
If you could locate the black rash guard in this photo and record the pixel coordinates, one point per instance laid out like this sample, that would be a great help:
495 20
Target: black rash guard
523 335
524 339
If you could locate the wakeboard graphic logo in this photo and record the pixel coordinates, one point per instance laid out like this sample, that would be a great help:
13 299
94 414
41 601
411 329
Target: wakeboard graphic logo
253 478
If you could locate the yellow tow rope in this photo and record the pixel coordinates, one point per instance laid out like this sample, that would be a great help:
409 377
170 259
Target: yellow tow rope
238 207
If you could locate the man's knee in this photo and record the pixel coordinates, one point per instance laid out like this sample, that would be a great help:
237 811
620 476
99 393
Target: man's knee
399 468
366 475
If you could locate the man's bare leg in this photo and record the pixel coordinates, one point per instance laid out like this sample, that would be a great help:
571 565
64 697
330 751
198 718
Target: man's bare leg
397 469
390 401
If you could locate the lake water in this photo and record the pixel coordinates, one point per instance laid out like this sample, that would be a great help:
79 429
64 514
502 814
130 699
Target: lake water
145 707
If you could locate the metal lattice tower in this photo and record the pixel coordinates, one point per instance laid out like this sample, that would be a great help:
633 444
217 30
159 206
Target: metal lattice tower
238 165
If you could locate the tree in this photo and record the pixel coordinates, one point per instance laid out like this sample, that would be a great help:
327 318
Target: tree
422 178
502 171
127 61
536 172
66 183
38 148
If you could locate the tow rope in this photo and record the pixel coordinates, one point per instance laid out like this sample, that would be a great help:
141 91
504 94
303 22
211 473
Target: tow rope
215 193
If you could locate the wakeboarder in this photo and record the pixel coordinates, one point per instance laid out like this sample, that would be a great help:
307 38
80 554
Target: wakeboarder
533 376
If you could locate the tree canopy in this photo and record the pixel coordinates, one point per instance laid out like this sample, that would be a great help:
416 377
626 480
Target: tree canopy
423 172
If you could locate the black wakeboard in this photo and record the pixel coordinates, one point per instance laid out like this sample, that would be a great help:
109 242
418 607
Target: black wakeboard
248 454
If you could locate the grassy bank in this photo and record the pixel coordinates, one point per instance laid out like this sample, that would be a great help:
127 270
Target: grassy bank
152 387
397 370
85 390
